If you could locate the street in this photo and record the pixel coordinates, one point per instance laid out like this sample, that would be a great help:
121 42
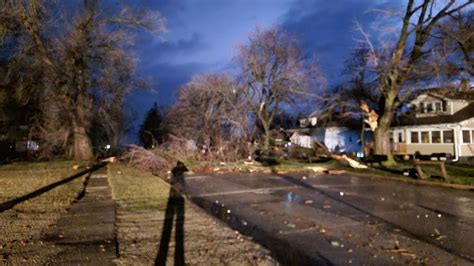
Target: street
339 219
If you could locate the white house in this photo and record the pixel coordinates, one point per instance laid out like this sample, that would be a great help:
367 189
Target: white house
342 135
441 123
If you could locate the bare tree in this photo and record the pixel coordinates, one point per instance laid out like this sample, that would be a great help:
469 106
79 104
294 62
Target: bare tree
400 64
210 110
454 39
85 65
274 73
344 99
19 93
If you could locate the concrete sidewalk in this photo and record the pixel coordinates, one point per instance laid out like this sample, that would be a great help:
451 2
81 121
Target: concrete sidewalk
86 234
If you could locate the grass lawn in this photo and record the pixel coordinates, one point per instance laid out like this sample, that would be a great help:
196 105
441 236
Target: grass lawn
135 189
462 174
22 227
141 203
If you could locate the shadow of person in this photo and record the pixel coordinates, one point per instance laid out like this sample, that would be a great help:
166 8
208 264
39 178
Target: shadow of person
174 208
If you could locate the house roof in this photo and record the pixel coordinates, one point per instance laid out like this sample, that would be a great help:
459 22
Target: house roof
346 122
343 121
448 92
463 95
463 114
299 131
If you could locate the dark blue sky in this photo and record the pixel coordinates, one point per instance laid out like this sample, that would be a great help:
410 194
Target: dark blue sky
202 34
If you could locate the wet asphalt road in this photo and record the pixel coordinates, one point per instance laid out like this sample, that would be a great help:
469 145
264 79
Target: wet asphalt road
329 219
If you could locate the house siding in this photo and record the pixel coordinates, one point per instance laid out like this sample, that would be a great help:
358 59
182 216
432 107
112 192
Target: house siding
302 140
346 139
469 124
467 150
427 149
343 137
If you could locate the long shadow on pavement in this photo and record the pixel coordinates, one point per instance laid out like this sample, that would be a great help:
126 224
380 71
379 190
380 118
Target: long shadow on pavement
174 207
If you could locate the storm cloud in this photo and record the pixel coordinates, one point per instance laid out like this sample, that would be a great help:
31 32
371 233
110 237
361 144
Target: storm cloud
202 35
326 29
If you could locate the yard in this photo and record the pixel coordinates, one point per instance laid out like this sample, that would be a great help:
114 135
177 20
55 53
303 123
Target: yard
24 226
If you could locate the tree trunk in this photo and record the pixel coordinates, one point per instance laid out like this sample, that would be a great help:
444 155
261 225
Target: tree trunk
266 138
382 134
115 140
392 87
82 144
382 140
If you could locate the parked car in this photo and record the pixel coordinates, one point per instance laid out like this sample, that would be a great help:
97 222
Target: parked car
21 149
7 150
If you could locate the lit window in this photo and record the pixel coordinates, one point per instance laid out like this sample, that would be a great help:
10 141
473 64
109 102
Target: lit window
414 137
466 136
435 136
448 136
425 137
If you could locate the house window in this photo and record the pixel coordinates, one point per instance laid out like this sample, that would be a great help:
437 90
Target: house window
448 136
425 137
429 108
435 136
414 137
400 137
422 108
466 136
445 105
438 107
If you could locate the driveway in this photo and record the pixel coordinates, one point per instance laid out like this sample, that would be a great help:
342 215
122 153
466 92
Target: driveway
341 219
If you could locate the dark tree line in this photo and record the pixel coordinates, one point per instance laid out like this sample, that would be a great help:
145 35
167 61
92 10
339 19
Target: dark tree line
153 130
66 70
